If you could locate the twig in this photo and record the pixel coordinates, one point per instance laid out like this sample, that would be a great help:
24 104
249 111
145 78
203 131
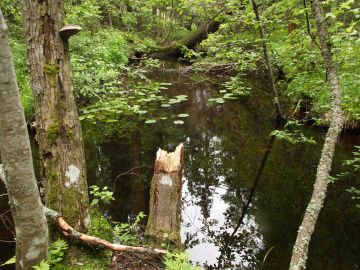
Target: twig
8 241
129 172
308 28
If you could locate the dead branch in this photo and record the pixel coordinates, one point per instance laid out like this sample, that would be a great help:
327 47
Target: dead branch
68 231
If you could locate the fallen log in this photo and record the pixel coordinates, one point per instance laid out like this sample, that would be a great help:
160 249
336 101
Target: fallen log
69 231
190 41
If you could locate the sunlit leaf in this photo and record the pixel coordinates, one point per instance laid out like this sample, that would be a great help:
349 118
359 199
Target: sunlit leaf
150 121
10 261
178 122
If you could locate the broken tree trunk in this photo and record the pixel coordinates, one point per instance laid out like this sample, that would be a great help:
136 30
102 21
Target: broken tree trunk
190 41
165 195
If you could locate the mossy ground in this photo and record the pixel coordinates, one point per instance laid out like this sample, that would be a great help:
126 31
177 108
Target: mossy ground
86 258
80 256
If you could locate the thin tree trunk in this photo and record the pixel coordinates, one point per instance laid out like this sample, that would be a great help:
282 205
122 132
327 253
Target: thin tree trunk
58 127
267 61
18 172
110 19
300 250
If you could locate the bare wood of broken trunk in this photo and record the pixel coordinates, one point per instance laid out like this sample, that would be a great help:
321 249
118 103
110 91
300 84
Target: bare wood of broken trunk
17 171
301 247
165 195
58 128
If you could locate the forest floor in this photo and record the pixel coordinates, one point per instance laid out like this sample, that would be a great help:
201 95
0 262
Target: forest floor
134 261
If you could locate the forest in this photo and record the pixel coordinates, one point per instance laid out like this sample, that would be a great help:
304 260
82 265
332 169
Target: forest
180 134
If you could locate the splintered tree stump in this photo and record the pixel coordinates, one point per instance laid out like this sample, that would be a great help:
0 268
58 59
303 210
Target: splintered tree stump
165 195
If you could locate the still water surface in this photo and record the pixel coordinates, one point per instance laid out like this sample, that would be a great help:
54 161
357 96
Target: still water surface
224 146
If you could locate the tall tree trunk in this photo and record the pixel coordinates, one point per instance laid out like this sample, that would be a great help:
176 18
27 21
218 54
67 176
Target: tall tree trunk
300 250
267 61
58 127
18 172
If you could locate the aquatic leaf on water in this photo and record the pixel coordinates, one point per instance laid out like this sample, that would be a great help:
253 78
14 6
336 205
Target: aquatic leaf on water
183 115
228 95
173 101
178 122
141 112
150 121
182 97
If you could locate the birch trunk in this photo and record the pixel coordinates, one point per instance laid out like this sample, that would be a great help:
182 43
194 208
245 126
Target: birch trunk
300 250
58 127
26 207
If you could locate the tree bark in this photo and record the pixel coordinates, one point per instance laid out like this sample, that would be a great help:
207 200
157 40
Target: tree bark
306 229
17 171
267 61
165 195
58 127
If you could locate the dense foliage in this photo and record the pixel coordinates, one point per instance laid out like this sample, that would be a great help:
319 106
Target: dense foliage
115 32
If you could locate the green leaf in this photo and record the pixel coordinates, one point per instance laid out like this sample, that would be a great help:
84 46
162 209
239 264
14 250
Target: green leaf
183 115
42 266
178 122
10 261
173 101
141 112
150 121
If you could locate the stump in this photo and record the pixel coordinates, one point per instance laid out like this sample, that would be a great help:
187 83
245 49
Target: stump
165 195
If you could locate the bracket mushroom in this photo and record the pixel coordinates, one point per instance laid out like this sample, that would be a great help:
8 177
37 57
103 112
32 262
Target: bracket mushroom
69 30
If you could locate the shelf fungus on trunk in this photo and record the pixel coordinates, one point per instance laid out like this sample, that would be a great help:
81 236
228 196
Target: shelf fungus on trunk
165 196
69 30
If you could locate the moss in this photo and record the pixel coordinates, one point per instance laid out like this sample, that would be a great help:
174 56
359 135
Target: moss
52 198
70 133
53 132
51 69
86 258
62 104
83 257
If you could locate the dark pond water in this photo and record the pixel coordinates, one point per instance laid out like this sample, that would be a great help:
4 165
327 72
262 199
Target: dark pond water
224 148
